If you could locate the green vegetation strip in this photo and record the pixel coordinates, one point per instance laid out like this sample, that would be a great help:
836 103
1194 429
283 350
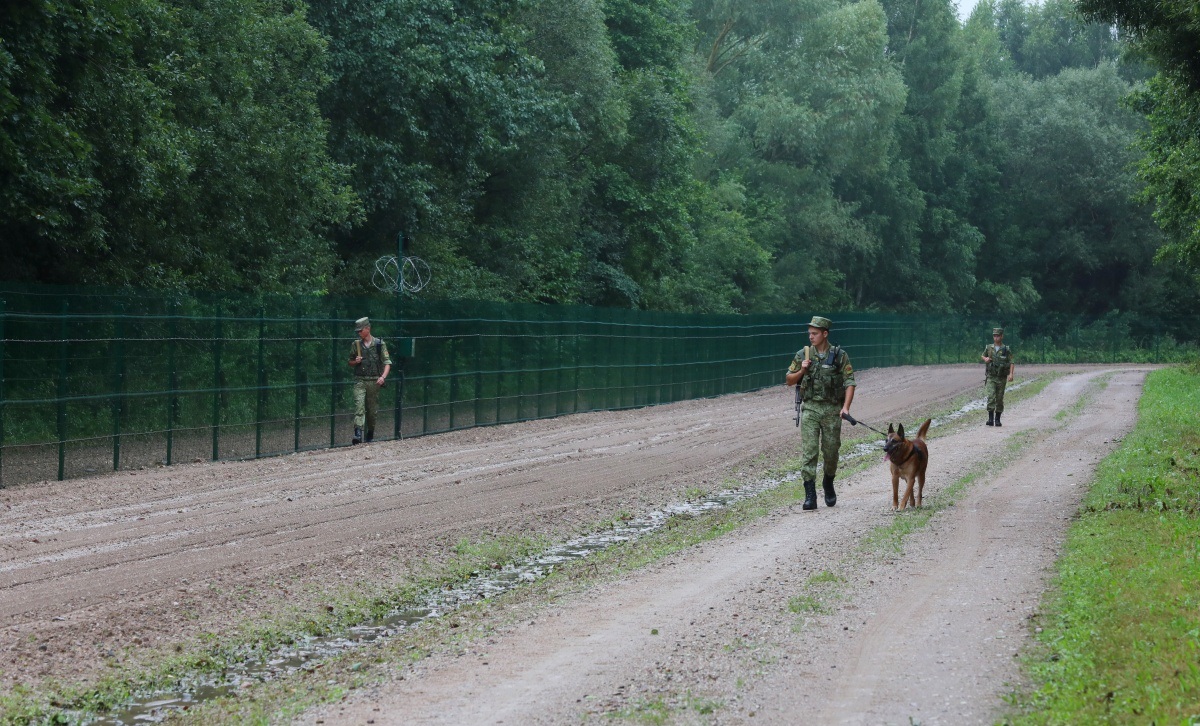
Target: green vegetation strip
1120 635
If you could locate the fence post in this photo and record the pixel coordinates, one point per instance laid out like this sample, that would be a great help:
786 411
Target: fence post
399 433
172 382
577 356
258 413
333 369
537 347
62 391
218 344
453 345
118 398
398 370
296 392
478 376
501 374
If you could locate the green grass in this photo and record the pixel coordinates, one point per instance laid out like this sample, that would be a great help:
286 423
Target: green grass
1119 638
653 712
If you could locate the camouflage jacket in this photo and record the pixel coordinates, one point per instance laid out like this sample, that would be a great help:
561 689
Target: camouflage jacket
1002 360
374 358
828 376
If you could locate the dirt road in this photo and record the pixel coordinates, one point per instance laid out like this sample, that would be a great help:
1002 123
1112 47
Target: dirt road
119 568
707 636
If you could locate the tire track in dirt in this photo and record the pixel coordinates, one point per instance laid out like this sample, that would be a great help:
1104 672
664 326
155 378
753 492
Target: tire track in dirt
927 634
942 654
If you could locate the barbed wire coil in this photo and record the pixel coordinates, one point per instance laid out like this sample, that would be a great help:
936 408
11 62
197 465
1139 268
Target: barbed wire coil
404 274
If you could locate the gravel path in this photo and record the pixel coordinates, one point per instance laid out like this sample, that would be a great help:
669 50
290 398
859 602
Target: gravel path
707 636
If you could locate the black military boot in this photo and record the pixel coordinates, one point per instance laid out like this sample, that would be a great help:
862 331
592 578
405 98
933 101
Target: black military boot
998 419
810 494
358 435
991 420
370 435
830 494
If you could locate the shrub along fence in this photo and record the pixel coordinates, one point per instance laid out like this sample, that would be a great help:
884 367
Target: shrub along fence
94 380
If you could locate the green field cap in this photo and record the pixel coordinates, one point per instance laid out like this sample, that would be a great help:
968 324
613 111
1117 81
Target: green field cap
997 331
362 323
819 322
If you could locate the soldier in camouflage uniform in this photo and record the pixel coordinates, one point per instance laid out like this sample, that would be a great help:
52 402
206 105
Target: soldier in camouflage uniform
371 363
826 378
998 358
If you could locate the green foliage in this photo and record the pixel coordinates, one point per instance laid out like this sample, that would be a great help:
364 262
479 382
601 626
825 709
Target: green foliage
1168 35
186 151
1068 222
1118 641
683 155
943 164
802 100
1045 39
1169 167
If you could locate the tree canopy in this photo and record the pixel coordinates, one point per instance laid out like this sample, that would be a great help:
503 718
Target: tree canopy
690 155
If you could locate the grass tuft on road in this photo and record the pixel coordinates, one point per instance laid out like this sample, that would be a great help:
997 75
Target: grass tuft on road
1120 633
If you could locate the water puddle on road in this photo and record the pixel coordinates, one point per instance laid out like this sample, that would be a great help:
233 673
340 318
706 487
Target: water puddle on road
309 653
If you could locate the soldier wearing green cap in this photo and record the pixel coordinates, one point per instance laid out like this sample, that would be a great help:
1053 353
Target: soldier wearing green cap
826 381
371 363
998 358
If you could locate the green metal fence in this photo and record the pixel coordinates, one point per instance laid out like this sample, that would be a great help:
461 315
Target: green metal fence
94 381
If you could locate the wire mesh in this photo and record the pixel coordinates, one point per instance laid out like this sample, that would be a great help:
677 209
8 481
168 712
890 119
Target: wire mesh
94 380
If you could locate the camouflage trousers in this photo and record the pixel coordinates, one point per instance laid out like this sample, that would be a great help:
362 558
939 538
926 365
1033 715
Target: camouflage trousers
820 435
366 403
995 394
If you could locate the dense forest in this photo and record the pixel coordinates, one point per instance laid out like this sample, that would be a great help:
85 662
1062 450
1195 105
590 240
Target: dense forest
686 155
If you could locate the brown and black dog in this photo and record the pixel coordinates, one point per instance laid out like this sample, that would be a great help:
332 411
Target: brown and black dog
908 460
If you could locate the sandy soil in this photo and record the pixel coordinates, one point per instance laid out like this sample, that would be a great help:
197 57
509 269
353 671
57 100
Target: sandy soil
112 569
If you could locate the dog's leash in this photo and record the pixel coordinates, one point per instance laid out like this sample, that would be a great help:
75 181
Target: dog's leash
855 422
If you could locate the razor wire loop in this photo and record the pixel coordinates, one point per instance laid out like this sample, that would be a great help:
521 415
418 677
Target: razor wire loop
400 274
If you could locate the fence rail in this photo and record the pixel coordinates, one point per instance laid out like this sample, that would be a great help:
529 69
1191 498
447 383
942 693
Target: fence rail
95 381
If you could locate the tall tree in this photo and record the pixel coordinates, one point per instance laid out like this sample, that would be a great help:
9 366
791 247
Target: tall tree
172 145
1071 223
943 159
806 102
1168 32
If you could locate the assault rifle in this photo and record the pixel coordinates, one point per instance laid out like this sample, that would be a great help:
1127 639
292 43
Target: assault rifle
800 394
799 404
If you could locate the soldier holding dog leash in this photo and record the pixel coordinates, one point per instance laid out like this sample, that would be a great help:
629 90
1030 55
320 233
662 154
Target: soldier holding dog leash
371 363
826 381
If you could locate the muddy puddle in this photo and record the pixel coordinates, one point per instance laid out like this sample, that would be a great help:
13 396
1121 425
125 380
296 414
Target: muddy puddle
310 653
